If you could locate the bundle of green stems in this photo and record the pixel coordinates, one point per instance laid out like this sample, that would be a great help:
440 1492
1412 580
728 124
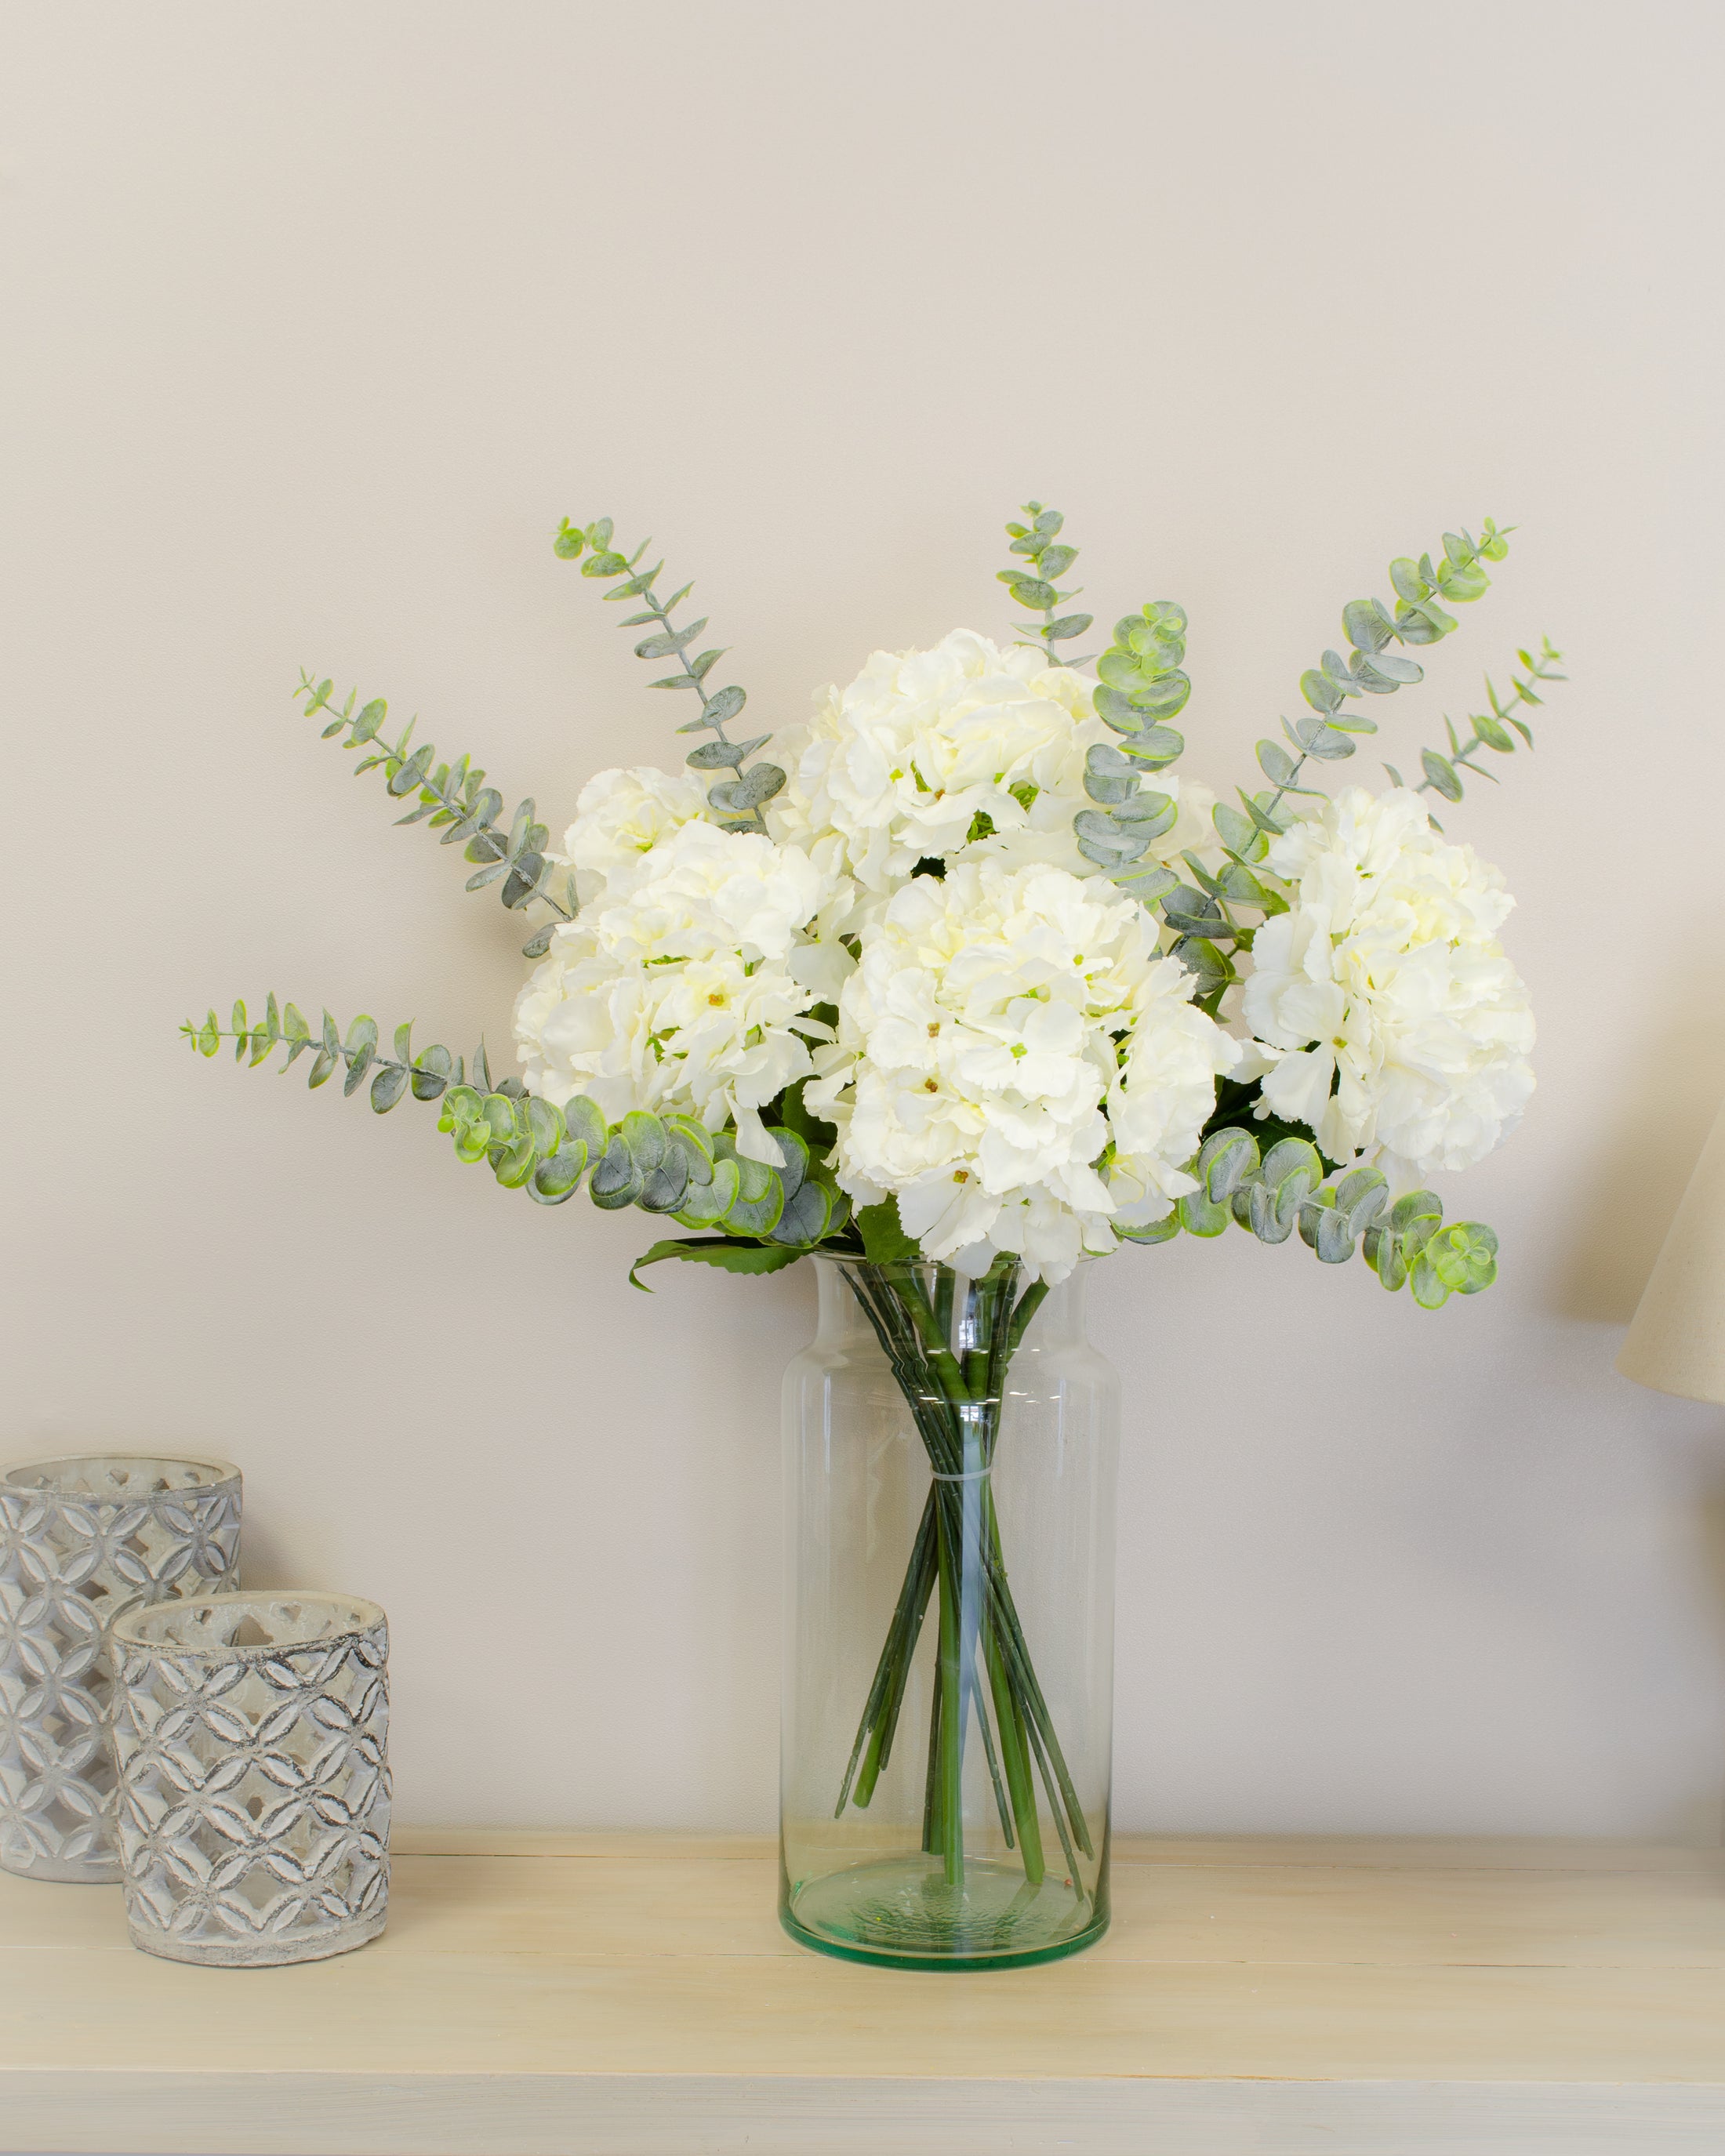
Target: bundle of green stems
950 1342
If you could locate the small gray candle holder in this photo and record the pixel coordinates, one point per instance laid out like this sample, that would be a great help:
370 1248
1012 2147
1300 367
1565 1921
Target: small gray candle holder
251 1735
83 1539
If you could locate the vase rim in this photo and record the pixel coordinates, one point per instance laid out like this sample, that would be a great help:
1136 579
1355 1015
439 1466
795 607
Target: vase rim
51 1469
345 1616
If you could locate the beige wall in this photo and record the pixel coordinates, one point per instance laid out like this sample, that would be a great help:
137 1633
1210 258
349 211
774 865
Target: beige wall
321 316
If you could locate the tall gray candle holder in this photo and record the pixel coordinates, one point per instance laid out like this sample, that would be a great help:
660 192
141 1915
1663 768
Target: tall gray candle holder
251 1734
82 1539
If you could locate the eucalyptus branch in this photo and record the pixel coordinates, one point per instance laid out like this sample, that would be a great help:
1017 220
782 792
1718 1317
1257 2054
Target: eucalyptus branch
765 1217
738 800
428 1074
459 802
1491 729
1142 686
1034 586
1371 668
1272 1193
1201 913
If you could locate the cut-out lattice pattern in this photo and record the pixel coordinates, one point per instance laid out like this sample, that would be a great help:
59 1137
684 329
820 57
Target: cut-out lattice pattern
81 1541
251 1734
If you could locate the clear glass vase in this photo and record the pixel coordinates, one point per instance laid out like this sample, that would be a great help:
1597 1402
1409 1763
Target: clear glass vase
950 1448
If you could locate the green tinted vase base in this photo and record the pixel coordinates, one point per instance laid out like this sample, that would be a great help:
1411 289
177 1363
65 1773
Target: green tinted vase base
903 1912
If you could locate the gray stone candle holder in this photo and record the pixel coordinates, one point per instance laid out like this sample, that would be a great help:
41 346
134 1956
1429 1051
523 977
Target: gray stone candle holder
81 1540
251 1735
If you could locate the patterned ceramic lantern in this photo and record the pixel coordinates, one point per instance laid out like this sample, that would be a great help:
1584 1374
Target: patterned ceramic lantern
251 1735
81 1540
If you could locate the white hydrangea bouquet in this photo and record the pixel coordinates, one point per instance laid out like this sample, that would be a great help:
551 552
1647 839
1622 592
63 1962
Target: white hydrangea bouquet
976 979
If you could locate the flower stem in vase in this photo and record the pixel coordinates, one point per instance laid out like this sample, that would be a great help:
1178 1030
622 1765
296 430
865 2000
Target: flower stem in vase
950 1355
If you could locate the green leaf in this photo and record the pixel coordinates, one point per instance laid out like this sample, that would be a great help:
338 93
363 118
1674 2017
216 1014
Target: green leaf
884 1237
1386 672
523 880
1227 1159
663 1188
1493 735
1110 776
1238 832
1366 626
584 1120
1190 912
672 640
743 796
1405 577
1109 844
1199 1215
388 1086
818 1136
1129 714
1146 881
760 1201
1275 763
616 1180
645 1135
1155 747
705 1204
1441 773
556 1179
431 1071
1148 814
1163 1230
807 1216
731 1254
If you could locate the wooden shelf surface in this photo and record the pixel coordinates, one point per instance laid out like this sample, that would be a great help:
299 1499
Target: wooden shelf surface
543 1994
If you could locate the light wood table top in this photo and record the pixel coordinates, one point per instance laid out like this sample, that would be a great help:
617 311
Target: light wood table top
543 1994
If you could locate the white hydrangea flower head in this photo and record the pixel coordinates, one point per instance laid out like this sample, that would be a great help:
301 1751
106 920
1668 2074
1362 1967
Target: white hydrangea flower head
1392 1021
898 767
978 1045
682 995
1164 1094
619 816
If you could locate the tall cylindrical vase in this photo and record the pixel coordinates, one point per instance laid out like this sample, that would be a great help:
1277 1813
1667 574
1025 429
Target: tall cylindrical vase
950 1450
83 1539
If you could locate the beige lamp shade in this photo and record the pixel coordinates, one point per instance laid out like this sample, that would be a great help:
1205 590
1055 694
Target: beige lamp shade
1676 1339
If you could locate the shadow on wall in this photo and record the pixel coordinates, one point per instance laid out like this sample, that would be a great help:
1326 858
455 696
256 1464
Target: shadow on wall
1665 1108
